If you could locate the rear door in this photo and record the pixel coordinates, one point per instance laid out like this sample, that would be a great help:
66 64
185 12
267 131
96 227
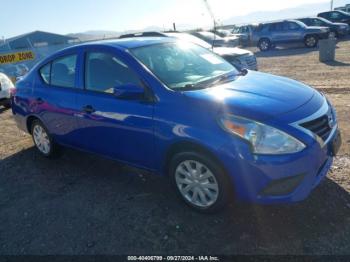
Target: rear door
118 128
55 97
277 32
294 32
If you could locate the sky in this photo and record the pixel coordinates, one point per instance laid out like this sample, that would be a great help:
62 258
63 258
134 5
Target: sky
72 16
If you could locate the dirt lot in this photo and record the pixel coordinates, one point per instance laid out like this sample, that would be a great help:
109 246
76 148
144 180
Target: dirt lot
82 204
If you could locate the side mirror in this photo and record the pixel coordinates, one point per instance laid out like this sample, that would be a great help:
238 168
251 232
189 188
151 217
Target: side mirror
129 91
243 72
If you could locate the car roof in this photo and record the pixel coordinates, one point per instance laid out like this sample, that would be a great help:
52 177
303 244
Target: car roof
122 44
132 42
129 43
335 11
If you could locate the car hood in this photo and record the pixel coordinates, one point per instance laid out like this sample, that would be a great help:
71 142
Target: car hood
230 51
256 95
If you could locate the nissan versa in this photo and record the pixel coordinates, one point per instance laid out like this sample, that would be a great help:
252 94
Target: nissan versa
177 109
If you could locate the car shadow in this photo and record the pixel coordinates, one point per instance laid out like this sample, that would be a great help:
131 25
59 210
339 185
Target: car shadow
84 204
336 63
287 51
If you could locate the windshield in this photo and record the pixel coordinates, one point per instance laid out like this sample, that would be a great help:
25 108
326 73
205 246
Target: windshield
323 21
344 13
182 65
190 38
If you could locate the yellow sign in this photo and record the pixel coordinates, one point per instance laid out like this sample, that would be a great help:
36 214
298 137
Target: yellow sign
16 57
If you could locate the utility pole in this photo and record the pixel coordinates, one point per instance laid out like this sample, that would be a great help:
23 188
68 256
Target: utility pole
331 5
213 17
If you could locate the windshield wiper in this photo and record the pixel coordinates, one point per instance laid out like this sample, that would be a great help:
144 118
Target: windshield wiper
224 78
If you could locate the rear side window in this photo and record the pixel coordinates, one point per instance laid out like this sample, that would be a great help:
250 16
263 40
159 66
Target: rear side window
104 71
63 71
317 22
335 15
292 26
45 73
276 27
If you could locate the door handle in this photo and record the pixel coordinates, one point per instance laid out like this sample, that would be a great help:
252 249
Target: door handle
39 101
88 109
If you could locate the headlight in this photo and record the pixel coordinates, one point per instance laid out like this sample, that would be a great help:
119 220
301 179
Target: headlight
263 139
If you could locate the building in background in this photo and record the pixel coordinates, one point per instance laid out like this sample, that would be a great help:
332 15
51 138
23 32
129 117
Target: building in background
20 53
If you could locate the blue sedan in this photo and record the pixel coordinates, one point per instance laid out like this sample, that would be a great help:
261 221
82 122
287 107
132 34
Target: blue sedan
176 109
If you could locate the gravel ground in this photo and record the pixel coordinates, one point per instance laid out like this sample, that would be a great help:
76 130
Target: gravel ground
82 204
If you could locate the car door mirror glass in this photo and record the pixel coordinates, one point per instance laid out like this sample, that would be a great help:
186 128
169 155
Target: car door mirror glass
129 91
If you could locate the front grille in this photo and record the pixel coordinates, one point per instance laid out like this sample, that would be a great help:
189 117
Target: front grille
319 126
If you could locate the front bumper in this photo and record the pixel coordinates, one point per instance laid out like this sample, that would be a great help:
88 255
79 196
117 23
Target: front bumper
253 176
268 179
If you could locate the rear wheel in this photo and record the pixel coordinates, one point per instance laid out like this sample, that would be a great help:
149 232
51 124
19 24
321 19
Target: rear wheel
333 34
200 182
43 140
311 41
264 44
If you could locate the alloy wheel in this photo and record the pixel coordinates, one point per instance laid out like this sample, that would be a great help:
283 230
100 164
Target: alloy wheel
311 41
264 45
196 183
332 35
41 139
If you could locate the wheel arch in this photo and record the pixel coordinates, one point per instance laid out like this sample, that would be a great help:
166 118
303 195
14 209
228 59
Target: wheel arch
311 34
29 121
186 146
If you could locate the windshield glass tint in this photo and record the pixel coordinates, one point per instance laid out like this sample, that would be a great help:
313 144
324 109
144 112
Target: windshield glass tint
180 64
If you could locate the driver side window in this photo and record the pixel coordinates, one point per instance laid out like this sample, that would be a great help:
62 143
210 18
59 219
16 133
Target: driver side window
104 71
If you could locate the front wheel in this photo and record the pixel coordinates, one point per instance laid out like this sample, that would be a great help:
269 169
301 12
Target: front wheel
200 182
43 140
264 44
333 34
311 41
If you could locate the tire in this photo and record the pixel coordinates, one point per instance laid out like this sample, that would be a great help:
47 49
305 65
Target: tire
214 179
264 44
311 41
43 140
333 34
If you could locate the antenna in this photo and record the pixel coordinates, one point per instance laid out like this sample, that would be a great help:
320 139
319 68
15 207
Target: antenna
213 17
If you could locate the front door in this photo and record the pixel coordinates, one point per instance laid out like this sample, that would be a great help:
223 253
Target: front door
115 127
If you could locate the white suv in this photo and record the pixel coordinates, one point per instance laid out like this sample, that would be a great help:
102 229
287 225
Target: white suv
5 90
